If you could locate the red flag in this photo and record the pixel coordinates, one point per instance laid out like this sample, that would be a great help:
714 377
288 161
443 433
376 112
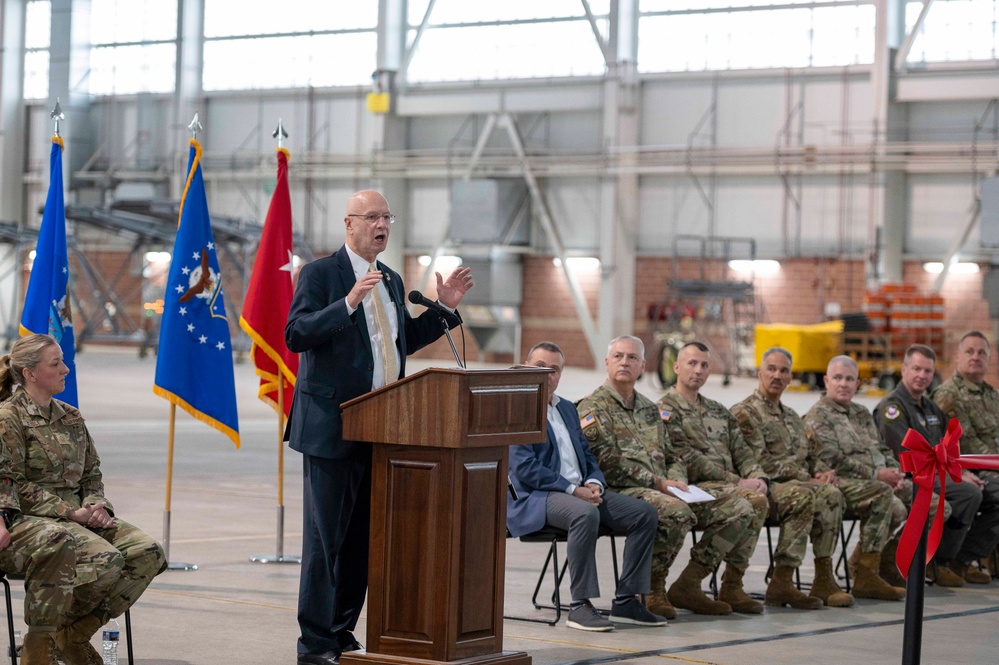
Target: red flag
268 298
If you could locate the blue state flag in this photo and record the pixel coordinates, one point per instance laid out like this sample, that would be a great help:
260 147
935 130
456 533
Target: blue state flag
46 303
194 360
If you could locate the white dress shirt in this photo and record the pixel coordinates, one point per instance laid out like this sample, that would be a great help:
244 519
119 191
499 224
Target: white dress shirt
570 468
360 266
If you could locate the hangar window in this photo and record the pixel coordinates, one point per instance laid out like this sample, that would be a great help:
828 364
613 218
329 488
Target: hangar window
133 46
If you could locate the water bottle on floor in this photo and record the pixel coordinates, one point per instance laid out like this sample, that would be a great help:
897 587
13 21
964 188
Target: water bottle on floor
110 640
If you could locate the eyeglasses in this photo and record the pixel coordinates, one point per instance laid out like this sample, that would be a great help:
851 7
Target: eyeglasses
371 219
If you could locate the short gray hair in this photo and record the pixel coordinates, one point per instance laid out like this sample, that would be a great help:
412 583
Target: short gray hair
842 360
777 349
628 338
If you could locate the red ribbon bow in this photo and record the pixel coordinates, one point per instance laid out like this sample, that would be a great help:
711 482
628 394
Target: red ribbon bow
925 463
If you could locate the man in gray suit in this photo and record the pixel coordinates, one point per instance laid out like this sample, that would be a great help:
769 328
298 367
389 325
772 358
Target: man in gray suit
349 322
558 483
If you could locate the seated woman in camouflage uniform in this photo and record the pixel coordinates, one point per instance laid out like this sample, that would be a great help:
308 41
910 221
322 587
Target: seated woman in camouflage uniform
44 553
58 475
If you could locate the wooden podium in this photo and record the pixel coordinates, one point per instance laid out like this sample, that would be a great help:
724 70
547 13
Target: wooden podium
438 511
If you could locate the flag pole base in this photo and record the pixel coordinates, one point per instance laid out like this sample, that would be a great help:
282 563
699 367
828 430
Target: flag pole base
180 565
172 565
275 558
280 556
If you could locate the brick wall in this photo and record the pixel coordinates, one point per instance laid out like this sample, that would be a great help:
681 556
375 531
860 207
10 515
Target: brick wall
797 294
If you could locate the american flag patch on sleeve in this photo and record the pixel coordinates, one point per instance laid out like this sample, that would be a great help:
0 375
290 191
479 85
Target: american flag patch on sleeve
587 420
665 415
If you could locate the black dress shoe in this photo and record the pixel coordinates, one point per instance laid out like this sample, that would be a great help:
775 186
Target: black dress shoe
328 658
350 645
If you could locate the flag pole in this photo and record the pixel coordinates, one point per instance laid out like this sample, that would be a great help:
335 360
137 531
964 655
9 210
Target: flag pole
171 565
174 565
279 557
280 134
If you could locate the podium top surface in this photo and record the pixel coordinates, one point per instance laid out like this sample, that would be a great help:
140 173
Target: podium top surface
453 408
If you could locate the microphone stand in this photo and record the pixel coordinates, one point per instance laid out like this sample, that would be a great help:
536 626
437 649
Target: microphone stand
447 333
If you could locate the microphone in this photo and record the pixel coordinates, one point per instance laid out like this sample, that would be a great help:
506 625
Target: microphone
418 298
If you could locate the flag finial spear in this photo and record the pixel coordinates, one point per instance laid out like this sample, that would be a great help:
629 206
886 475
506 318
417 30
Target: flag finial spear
56 116
194 127
280 134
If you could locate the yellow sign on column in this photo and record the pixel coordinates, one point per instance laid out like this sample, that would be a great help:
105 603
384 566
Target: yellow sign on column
378 102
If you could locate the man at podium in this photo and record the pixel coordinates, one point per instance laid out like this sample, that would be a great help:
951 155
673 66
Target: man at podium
349 322
558 483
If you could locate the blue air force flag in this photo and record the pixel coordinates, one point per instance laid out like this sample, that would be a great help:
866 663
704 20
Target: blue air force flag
194 361
46 303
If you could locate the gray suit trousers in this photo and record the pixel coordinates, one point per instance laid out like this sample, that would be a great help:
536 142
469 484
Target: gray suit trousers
635 518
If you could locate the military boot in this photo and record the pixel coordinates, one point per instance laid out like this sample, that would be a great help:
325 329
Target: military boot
851 563
686 592
781 591
824 585
732 593
944 575
657 602
970 573
868 584
40 648
889 569
74 641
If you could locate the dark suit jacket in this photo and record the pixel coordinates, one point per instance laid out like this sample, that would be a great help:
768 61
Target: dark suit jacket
534 471
336 363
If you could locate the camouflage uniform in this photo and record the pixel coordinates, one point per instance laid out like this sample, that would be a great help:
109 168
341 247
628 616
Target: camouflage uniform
634 454
709 441
44 553
976 406
777 437
846 440
57 470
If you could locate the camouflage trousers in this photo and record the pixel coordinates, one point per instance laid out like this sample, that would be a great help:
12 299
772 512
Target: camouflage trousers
805 509
60 584
740 555
139 558
725 522
871 501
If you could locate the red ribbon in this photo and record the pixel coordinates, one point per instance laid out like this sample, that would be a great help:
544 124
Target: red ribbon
925 463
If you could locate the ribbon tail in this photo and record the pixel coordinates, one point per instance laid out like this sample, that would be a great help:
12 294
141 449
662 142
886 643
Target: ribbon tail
936 531
913 530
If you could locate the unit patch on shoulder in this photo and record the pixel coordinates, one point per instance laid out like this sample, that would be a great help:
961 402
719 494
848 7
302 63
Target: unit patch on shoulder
892 412
665 415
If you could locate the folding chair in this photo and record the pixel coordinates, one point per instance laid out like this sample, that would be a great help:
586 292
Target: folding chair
553 536
4 579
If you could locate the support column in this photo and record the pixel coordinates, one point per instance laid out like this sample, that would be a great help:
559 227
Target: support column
619 193
69 69
388 130
12 115
188 86
889 190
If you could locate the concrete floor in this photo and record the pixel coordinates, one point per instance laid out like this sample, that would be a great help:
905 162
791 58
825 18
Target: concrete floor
232 610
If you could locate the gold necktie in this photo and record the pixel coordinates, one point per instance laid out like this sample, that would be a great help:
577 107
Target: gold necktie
384 332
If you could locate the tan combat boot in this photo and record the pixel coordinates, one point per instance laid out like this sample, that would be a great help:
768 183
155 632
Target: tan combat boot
781 591
74 641
944 575
824 585
657 602
686 592
732 593
970 573
868 584
851 563
40 648
889 569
